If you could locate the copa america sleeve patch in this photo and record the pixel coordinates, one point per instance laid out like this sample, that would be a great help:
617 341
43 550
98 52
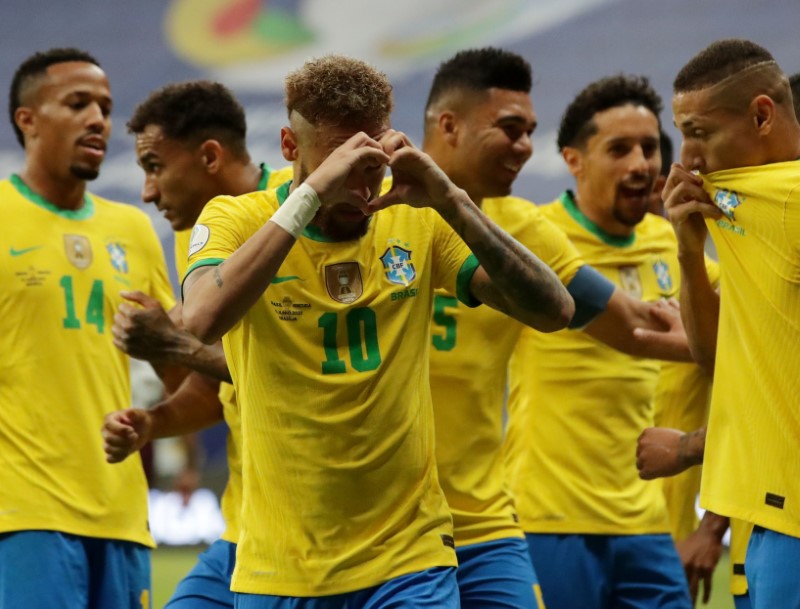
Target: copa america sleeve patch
199 238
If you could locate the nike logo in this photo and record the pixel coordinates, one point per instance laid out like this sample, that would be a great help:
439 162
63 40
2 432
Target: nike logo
284 279
15 252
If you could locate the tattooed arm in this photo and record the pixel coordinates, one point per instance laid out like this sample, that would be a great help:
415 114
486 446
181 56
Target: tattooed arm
663 452
510 278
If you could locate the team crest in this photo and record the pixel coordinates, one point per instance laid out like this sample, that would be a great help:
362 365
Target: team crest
78 250
630 281
727 201
118 258
663 276
343 281
397 265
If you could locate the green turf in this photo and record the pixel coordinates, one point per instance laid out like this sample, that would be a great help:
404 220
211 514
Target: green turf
171 564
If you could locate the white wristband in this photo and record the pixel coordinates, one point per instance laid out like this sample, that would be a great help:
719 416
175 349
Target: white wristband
297 211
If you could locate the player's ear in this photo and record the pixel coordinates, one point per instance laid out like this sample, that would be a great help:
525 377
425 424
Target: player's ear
289 144
448 126
574 160
763 110
24 119
211 155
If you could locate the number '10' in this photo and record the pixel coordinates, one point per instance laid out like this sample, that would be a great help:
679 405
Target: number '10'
362 335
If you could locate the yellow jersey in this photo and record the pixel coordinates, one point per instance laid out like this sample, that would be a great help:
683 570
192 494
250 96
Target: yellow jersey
471 349
752 461
331 368
577 406
683 396
60 372
231 502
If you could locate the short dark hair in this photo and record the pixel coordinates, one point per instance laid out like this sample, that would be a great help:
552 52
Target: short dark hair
34 67
193 111
481 69
794 84
667 153
717 61
577 123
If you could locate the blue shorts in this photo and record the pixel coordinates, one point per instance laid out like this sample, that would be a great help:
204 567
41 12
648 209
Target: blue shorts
61 571
497 574
609 571
773 570
742 601
430 589
208 584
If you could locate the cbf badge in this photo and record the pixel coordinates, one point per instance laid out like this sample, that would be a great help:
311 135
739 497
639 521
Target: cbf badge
663 276
397 265
727 201
630 281
343 281
78 250
119 260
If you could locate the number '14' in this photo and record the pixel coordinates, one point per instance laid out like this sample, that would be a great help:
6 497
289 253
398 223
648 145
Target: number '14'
94 308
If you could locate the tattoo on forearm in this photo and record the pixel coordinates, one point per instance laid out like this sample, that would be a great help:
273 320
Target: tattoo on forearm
689 452
526 279
218 276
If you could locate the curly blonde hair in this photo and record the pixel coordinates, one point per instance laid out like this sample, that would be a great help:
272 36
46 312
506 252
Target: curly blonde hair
339 91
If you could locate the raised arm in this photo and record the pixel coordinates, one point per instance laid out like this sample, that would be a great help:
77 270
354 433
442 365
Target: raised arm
510 278
687 206
216 298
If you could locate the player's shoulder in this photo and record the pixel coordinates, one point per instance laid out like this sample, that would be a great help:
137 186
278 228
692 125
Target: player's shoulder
252 204
121 212
511 208
656 227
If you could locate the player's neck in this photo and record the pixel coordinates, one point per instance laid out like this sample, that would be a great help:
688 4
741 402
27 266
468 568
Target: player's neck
243 179
65 193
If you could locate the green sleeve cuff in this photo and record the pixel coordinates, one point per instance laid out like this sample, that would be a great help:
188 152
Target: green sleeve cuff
463 280
197 265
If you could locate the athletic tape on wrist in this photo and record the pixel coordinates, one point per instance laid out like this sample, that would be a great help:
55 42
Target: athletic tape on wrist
297 211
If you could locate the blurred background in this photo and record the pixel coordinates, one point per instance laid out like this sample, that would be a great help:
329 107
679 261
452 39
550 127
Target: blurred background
251 44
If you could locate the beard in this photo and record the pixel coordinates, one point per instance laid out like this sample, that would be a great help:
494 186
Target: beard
82 172
337 230
629 217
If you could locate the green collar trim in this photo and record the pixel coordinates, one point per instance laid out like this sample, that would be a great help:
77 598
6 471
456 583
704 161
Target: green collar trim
568 201
310 231
262 181
85 212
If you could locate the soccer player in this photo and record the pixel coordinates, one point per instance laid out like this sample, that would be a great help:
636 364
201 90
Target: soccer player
325 305
733 106
576 406
191 144
478 127
73 530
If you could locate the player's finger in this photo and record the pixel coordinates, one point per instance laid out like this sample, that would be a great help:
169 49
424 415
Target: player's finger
707 577
140 298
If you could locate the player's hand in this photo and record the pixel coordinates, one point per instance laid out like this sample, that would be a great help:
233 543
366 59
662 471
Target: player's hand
125 432
700 554
658 453
687 205
143 329
416 179
666 330
333 179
